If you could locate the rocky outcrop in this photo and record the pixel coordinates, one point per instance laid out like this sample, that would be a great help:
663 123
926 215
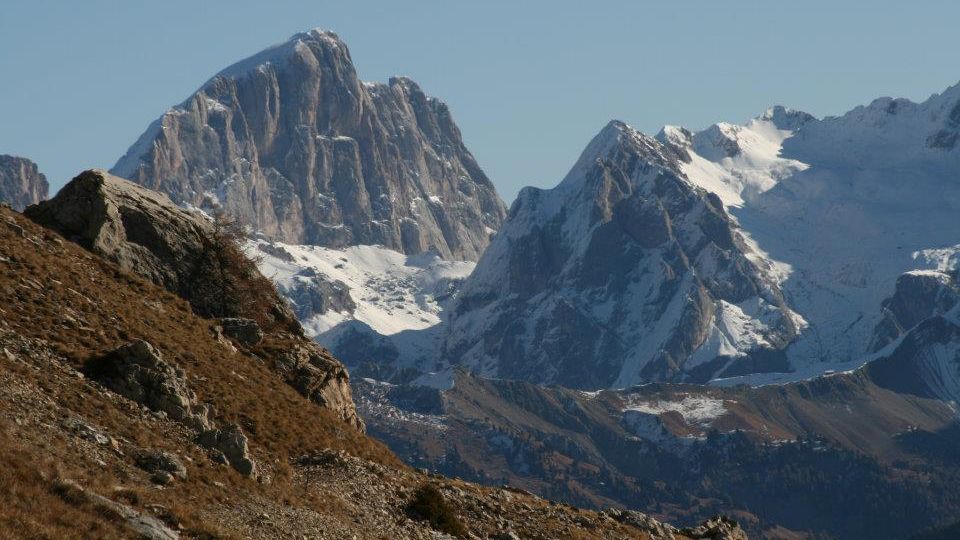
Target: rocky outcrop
21 183
165 466
145 233
718 528
317 375
291 142
138 372
918 296
140 230
231 444
245 331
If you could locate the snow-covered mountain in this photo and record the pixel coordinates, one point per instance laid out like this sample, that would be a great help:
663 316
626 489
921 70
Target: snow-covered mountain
625 272
755 253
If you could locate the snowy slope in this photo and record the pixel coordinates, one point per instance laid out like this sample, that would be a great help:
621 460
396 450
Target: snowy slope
392 292
625 272
839 207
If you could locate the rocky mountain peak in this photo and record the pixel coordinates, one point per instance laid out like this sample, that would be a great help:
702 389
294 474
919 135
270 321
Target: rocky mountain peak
21 182
786 118
292 143
625 272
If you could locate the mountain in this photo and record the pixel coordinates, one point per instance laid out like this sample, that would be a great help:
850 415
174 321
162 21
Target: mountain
292 143
126 413
21 183
842 207
625 272
866 452
755 253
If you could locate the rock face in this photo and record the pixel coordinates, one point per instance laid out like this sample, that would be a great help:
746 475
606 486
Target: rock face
21 183
291 142
919 295
137 371
320 377
245 331
139 229
232 443
625 272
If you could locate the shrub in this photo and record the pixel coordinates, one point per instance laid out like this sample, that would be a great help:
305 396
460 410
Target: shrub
226 282
429 505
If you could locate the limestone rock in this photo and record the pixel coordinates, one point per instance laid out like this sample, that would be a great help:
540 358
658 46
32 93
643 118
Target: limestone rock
292 143
717 528
315 374
138 372
160 461
21 183
245 331
145 233
141 230
232 443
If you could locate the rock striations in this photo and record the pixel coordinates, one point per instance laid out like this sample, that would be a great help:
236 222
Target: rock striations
292 142
21 183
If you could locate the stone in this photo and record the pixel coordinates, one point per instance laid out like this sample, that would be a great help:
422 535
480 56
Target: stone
161 478
160 461
232 443
21 183
138 372
717 528
313 372
141 230
647 524
244 331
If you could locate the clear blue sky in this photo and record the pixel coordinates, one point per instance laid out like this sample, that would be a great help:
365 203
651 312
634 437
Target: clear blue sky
528 82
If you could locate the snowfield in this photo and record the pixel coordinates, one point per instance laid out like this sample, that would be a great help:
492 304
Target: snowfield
393 292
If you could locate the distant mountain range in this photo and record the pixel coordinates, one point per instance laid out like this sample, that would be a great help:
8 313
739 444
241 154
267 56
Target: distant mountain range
814 261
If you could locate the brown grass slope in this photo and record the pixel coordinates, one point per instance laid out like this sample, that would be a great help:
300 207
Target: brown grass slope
61 306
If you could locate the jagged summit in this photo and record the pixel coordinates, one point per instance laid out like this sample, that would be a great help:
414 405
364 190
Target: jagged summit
294 144
317 39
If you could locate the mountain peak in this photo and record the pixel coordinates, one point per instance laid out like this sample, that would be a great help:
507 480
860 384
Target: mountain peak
786 118
21 182
292 143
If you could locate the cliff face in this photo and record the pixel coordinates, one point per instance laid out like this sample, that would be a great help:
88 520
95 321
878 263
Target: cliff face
21 183
291 142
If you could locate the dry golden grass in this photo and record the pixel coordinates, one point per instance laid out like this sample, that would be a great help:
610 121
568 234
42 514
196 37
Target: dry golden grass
84 307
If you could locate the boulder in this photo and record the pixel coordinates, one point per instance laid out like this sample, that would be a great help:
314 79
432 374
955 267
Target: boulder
717 528
244 331
232 443
145 233
313 372
159 461
138 372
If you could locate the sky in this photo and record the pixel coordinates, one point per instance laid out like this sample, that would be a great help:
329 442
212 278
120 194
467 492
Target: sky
528 82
